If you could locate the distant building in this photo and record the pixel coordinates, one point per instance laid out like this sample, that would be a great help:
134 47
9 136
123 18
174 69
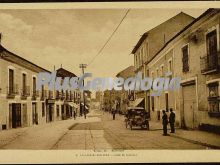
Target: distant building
66 101
123 97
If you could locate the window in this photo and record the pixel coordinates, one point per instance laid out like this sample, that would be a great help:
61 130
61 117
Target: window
211 43
162 70
43 109
11 81
170 68
185 58
136 62
152 75
58 110
152 103
147 73
24 83
146 51
213 97
34 84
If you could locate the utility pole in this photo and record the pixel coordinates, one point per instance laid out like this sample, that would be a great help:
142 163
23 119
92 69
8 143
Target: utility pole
83 66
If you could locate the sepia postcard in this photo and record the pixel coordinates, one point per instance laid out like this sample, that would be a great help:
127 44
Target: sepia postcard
110 82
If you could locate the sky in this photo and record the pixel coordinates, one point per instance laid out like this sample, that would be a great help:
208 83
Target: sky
69 37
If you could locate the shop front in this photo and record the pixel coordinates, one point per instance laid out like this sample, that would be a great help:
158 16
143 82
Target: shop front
50 110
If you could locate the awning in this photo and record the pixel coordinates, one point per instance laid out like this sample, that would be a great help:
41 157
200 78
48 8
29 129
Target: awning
136 102
72 104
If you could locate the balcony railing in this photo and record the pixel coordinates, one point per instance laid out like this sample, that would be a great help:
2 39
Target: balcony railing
12 91
71 97
67 95
43 94
63 96
35 94
210 63
58 95
50 95
25 92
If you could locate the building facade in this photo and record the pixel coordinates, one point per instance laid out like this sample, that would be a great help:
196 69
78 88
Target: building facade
21 104
150 43
193 55
124 97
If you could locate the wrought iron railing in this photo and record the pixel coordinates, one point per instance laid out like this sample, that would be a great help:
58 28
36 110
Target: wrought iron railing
50 95
210 62
43 94
12 90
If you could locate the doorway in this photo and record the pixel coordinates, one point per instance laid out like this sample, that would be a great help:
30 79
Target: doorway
15 115
34 113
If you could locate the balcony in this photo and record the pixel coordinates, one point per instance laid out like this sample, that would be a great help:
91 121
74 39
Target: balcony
58 95
25 92
67 95
50 95
12 91
43 95
71 97
210 63
35 94
63 95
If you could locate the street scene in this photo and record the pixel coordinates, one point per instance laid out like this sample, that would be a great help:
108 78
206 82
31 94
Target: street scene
110 79
99 132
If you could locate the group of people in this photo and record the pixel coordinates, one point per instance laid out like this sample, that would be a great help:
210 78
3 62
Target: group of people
167 120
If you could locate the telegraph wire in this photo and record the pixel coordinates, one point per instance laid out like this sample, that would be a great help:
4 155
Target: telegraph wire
99 52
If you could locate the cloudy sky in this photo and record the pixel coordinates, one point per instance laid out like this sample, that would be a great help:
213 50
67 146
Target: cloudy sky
73 36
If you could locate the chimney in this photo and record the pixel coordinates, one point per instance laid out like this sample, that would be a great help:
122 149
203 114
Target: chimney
54 68
61 66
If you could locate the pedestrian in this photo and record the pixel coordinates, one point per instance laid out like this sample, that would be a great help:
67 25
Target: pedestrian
172 120
113 114
84 113
74 115
165 122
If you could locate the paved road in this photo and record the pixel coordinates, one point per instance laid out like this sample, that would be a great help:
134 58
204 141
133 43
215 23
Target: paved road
105 133
98 131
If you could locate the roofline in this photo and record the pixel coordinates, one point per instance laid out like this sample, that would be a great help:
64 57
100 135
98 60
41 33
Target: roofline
140 41
4 49
180 32
123 70
68 71
143 38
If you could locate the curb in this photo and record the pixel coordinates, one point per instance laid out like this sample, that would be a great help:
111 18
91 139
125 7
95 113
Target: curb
197 142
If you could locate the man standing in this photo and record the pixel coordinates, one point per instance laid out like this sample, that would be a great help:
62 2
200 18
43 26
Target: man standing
113 114
74 114
172 121
165 122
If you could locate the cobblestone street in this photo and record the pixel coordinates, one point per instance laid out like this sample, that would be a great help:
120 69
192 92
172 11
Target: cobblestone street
99 131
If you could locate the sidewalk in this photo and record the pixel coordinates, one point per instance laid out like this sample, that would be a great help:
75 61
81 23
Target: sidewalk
207 139
42 136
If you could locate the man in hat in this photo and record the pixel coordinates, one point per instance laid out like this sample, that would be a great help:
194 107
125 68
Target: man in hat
165 122
172 120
